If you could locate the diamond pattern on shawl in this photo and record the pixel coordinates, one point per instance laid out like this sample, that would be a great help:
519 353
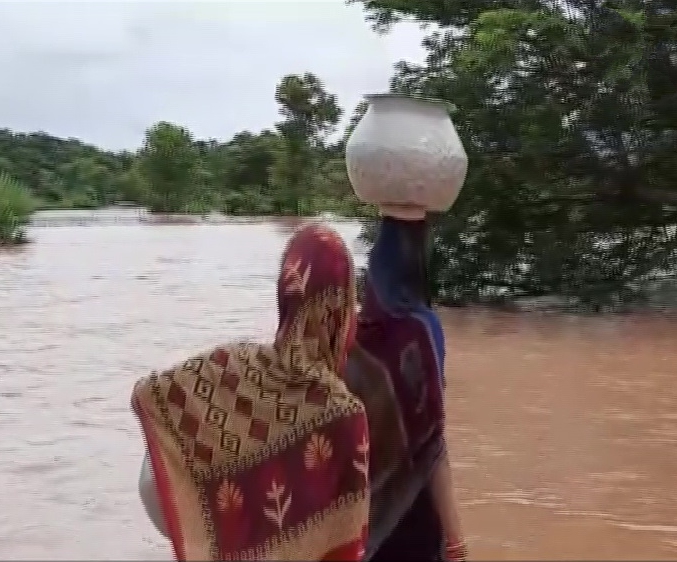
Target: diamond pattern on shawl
244 406
253 375
216 416
296 354
317 394
265 361
270 396
230 380
230 442
203 389
203 452
176 395
286 413
189 425
194 365
219 357
245 412
259 429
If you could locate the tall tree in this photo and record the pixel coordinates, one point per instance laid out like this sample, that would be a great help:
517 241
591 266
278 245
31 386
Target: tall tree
563 115
170 164
240 170
310 115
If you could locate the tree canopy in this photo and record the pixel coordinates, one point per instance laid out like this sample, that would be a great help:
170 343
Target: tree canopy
16 206
294 168
566 110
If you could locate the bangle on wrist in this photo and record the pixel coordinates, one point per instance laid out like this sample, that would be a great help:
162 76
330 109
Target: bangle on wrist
456 550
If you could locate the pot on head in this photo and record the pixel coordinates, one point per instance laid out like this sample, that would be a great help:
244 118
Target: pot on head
406 157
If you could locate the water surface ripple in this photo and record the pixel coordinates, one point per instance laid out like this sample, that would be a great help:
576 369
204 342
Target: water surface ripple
564 430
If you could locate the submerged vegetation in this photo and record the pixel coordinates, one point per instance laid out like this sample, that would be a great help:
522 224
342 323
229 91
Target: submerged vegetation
16 207
291 169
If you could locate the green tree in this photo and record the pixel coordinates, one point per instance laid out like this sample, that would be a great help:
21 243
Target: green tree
563 109
170 164
291 169
16 207
61 172
132 185
86 182
240 171
310 114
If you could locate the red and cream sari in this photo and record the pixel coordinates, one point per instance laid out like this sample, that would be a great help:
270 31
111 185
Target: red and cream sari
260 452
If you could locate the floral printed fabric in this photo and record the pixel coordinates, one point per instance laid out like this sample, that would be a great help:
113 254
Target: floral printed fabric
260 452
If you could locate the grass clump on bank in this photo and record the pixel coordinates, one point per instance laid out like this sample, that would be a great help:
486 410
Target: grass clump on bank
16 207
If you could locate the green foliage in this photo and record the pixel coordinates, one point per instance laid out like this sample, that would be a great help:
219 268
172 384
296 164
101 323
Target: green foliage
310 115
62 172
567 113
310 112
169 162
16 207
291 170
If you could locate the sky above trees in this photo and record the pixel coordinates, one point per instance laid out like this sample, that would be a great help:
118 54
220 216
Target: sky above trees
105 71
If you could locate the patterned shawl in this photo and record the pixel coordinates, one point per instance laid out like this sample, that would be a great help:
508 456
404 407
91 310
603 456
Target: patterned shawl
396 368
259 451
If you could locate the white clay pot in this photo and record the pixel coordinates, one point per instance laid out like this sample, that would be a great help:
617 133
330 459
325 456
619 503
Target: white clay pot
406 157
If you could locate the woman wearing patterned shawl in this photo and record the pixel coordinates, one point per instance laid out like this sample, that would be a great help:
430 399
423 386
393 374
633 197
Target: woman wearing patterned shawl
396 368
259 452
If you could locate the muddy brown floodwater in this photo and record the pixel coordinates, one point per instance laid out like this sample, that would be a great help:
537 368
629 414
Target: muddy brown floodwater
564 435
563 430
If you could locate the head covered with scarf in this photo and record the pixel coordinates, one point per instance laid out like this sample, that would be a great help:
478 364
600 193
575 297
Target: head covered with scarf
259 451
396 367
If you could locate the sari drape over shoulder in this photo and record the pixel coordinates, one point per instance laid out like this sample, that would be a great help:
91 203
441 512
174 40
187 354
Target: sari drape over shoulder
396 368
260 452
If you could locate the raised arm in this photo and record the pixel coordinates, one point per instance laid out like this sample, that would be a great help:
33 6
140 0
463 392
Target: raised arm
442 483
442 487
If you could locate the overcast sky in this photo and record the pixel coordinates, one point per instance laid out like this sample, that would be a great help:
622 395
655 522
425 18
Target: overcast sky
104 71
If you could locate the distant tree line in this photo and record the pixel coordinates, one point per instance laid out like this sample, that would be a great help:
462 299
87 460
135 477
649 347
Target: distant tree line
291 169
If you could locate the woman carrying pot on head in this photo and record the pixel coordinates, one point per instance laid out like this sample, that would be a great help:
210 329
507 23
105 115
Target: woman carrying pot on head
260 452
396 367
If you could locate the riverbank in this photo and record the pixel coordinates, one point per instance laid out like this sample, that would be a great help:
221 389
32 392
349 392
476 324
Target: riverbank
129 214
197 210
564 434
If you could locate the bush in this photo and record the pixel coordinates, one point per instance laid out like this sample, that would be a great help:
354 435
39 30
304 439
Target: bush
16 207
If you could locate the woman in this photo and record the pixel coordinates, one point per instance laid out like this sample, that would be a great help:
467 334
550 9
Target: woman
259 452
397 369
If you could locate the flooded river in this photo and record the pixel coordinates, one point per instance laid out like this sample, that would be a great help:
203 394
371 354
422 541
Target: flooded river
564 431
